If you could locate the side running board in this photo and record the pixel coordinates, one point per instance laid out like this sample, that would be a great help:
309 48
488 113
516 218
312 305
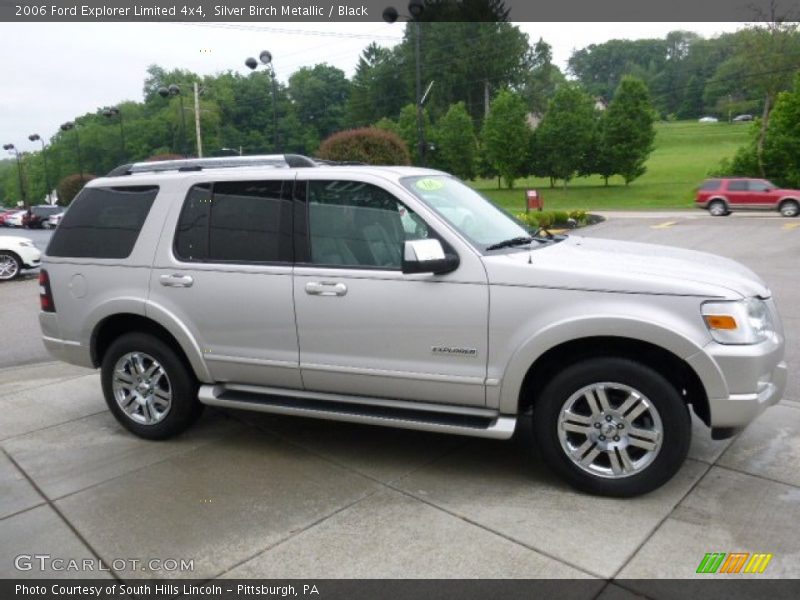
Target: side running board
460 420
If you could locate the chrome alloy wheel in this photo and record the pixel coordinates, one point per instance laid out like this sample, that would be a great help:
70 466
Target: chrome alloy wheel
141 388
9 267
610 430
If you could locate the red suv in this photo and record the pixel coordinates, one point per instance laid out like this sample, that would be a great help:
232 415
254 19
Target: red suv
721 196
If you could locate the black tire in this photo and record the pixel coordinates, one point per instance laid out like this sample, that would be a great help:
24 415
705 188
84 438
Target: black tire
789 208
717 208
671 409
11 265
185 408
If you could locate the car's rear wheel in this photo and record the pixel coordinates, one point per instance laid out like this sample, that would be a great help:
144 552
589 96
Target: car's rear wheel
10 265
148 388
789 208
612 426
717 208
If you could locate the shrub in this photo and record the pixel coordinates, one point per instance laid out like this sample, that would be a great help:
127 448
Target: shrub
368 145
70 185
559 218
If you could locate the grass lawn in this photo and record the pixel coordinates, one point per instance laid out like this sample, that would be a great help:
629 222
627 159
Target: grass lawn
685 151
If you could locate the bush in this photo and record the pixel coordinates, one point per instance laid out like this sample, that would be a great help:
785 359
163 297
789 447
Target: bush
70 185
556 219
368 145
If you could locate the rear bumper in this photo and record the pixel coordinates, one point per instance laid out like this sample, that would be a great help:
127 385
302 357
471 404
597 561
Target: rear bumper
68 351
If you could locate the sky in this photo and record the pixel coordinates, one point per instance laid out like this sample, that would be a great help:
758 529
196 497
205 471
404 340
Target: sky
52 72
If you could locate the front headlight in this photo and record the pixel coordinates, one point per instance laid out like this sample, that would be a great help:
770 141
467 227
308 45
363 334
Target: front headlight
738 322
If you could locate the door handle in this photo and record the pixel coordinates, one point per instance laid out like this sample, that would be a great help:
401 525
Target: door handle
176 280
325 288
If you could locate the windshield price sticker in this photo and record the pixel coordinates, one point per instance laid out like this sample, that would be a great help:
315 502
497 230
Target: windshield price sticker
429 185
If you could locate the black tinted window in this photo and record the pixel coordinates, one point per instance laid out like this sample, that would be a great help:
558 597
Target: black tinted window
191 238
103 222
238 221
737 185
711 184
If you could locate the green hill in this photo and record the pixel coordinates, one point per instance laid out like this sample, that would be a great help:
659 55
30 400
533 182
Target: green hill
685 151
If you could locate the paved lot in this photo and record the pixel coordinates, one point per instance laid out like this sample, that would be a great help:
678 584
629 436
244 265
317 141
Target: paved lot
270 496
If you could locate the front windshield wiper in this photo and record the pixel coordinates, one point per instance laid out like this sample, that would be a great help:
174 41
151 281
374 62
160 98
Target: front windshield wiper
515 241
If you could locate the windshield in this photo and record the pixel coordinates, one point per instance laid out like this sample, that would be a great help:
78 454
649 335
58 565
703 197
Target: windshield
475 217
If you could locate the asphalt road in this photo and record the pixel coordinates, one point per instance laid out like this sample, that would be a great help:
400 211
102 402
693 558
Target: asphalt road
19 309
767 243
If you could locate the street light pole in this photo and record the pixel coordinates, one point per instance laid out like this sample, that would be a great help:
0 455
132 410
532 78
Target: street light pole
66 127
34 137
266 59
11 147
175 90
390 15
115 111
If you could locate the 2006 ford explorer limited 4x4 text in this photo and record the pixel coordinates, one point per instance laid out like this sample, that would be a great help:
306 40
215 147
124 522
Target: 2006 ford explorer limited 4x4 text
399 296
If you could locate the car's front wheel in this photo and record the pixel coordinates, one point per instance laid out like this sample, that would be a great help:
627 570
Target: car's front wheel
148 388
10 265
612 426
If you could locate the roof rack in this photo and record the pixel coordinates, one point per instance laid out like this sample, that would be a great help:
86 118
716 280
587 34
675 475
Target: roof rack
292 161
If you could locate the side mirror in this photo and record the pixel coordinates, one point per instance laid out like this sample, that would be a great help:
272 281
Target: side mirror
427 256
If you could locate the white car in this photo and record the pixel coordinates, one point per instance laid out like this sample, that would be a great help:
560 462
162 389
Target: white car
708 120
15 219
53 220
16 254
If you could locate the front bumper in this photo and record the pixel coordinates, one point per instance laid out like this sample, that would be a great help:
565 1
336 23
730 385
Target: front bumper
747 380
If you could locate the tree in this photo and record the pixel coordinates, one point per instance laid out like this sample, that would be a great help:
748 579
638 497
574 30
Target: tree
542 79
506 136
378 88
319 96
626 132
456 143
407 129
782 148
70 185
368 145
566 132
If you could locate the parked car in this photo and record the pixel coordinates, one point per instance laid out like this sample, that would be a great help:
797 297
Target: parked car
361 294
722 196
54 219
708 120
5 213
38 216
14 218
742 118
16 254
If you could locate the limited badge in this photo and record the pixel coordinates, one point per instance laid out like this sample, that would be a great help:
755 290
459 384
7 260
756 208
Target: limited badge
429 185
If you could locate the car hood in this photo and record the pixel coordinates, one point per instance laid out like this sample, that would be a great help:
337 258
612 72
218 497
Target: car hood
627 267
13 240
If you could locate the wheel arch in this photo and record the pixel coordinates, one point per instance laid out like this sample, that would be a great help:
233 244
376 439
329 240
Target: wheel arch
674 369
113 326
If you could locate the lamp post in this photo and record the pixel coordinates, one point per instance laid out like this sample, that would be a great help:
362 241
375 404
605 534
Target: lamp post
12 148
111 112
175 90
390 15
266 59
69 125
35 137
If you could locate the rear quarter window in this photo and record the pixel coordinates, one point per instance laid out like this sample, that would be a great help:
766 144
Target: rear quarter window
103 222
711 185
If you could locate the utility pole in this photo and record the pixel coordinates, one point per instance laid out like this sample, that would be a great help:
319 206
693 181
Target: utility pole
197 121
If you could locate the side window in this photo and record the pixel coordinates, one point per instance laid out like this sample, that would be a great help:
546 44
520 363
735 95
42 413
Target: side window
357 224
191 237
759 186
710 185
103 222
236 221
737 185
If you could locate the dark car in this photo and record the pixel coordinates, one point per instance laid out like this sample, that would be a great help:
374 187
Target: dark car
722 196
37 217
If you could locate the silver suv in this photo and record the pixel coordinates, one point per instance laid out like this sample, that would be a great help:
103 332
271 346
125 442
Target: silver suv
399 296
